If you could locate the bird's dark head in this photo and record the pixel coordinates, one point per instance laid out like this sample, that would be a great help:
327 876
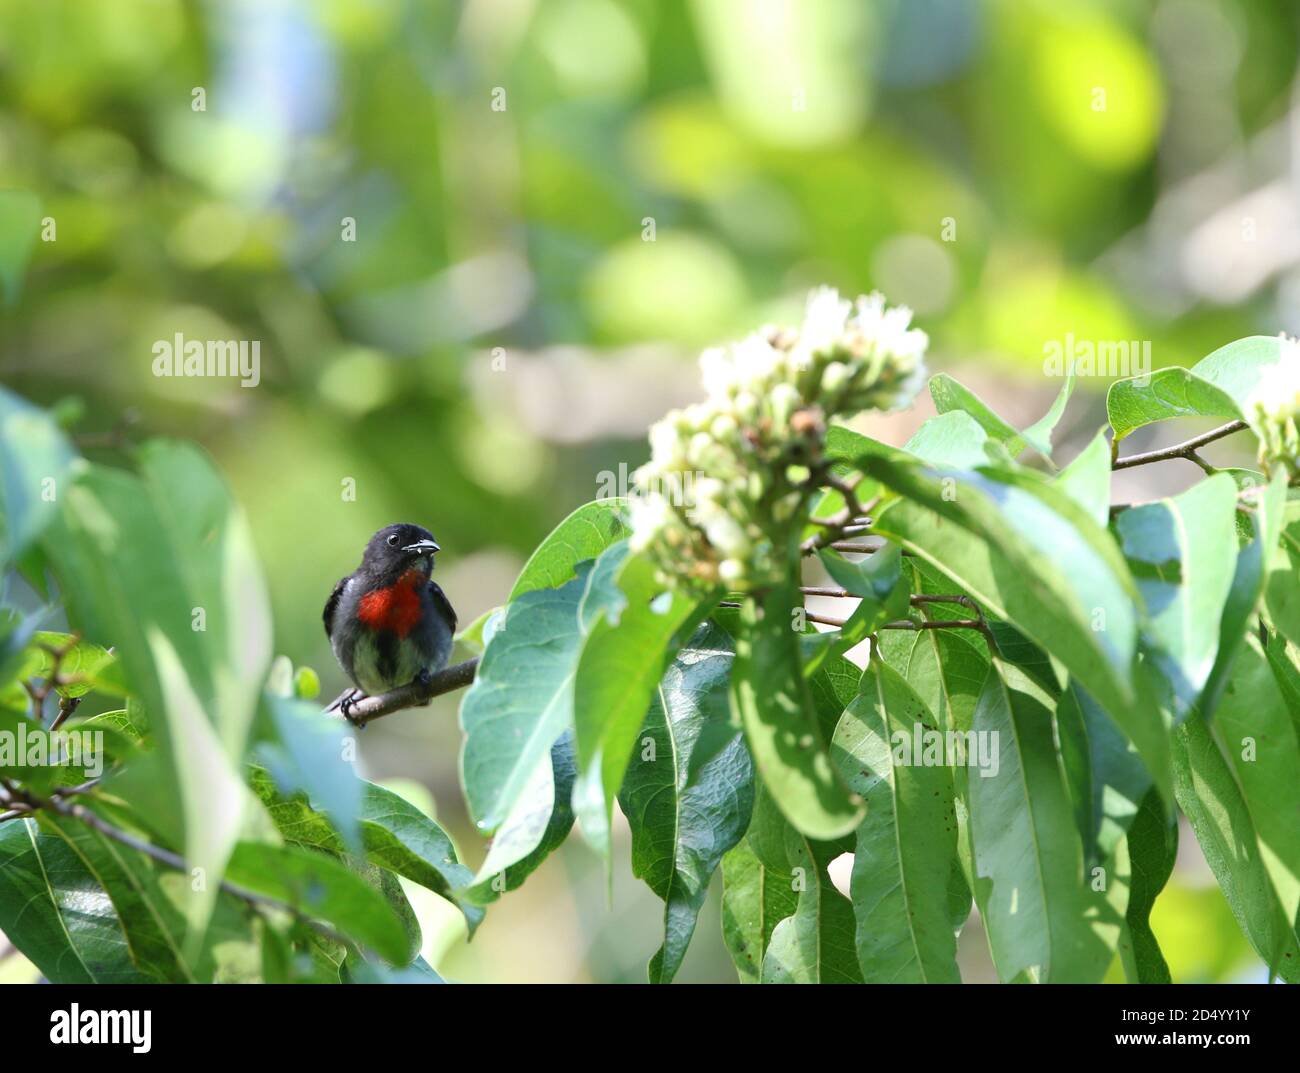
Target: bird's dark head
398 548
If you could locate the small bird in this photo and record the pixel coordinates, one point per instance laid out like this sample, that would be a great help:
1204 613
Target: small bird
388 622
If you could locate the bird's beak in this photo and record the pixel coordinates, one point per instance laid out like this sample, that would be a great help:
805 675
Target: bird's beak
421 546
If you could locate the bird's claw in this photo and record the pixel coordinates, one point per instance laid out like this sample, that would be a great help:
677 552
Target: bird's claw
346 705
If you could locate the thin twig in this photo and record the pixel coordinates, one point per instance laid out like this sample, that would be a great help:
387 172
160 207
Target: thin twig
367 709
1186 449
73 811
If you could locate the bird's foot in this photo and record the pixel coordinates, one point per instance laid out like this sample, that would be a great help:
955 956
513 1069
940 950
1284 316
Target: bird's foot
346 705
422 681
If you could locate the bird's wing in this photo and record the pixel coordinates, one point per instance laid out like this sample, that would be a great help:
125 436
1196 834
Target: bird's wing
441 602
331 604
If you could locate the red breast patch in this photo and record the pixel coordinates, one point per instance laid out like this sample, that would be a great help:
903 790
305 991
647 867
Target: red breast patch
396 608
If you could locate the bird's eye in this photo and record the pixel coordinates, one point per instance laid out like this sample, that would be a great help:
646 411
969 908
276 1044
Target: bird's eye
392 540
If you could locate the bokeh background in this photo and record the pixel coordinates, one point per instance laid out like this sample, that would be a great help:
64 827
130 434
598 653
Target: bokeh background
481 243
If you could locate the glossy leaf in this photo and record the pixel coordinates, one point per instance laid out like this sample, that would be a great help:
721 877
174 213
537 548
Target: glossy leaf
684 816
583 535
771 700
906 849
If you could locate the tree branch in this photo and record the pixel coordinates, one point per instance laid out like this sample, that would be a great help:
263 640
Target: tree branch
73 811
367 709
1186 449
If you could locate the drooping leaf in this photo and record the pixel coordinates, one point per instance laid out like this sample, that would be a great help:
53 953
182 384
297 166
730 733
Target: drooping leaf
522 697
1183 553
583 535
755 898
534 828
56 914
1262 745
685 816
950 439
325 889
622 661
1042 922
906 849
1152 846
771 700
1032 556
1210 798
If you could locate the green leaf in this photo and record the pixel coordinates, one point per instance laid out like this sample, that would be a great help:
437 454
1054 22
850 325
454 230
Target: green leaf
1262 745
1041 922
583 535
1153 846
55 913
683 816
951 439
906 847
186 611
35 458
771 700
878 581
1039 434
1282 592
309 753
539 822
755 898
522 697
1216 386
1031 555
1264 524
1086 479
1183 552
323 888
149 898
1210 798
395 835
91 666
622 660
815 945
952 397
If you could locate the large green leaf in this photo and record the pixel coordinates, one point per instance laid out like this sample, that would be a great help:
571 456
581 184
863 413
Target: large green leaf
539 822
1086 479
394 835
1212 801
162 567
1262 745
583 535
522 697
815 944
906 850
1282 592
951 439
1031 555
34 461
770 698
684 816
324 889
150 899
1264 523
756 897
1042 921
622 661
1183 553
1216 386
1152 845
55 912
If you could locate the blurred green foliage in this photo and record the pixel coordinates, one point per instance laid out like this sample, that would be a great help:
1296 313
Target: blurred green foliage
950 153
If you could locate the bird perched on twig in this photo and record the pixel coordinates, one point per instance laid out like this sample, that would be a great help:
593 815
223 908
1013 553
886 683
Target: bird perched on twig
388 622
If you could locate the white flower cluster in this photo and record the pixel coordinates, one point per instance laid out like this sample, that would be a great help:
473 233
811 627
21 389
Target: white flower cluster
1275 405
748 450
